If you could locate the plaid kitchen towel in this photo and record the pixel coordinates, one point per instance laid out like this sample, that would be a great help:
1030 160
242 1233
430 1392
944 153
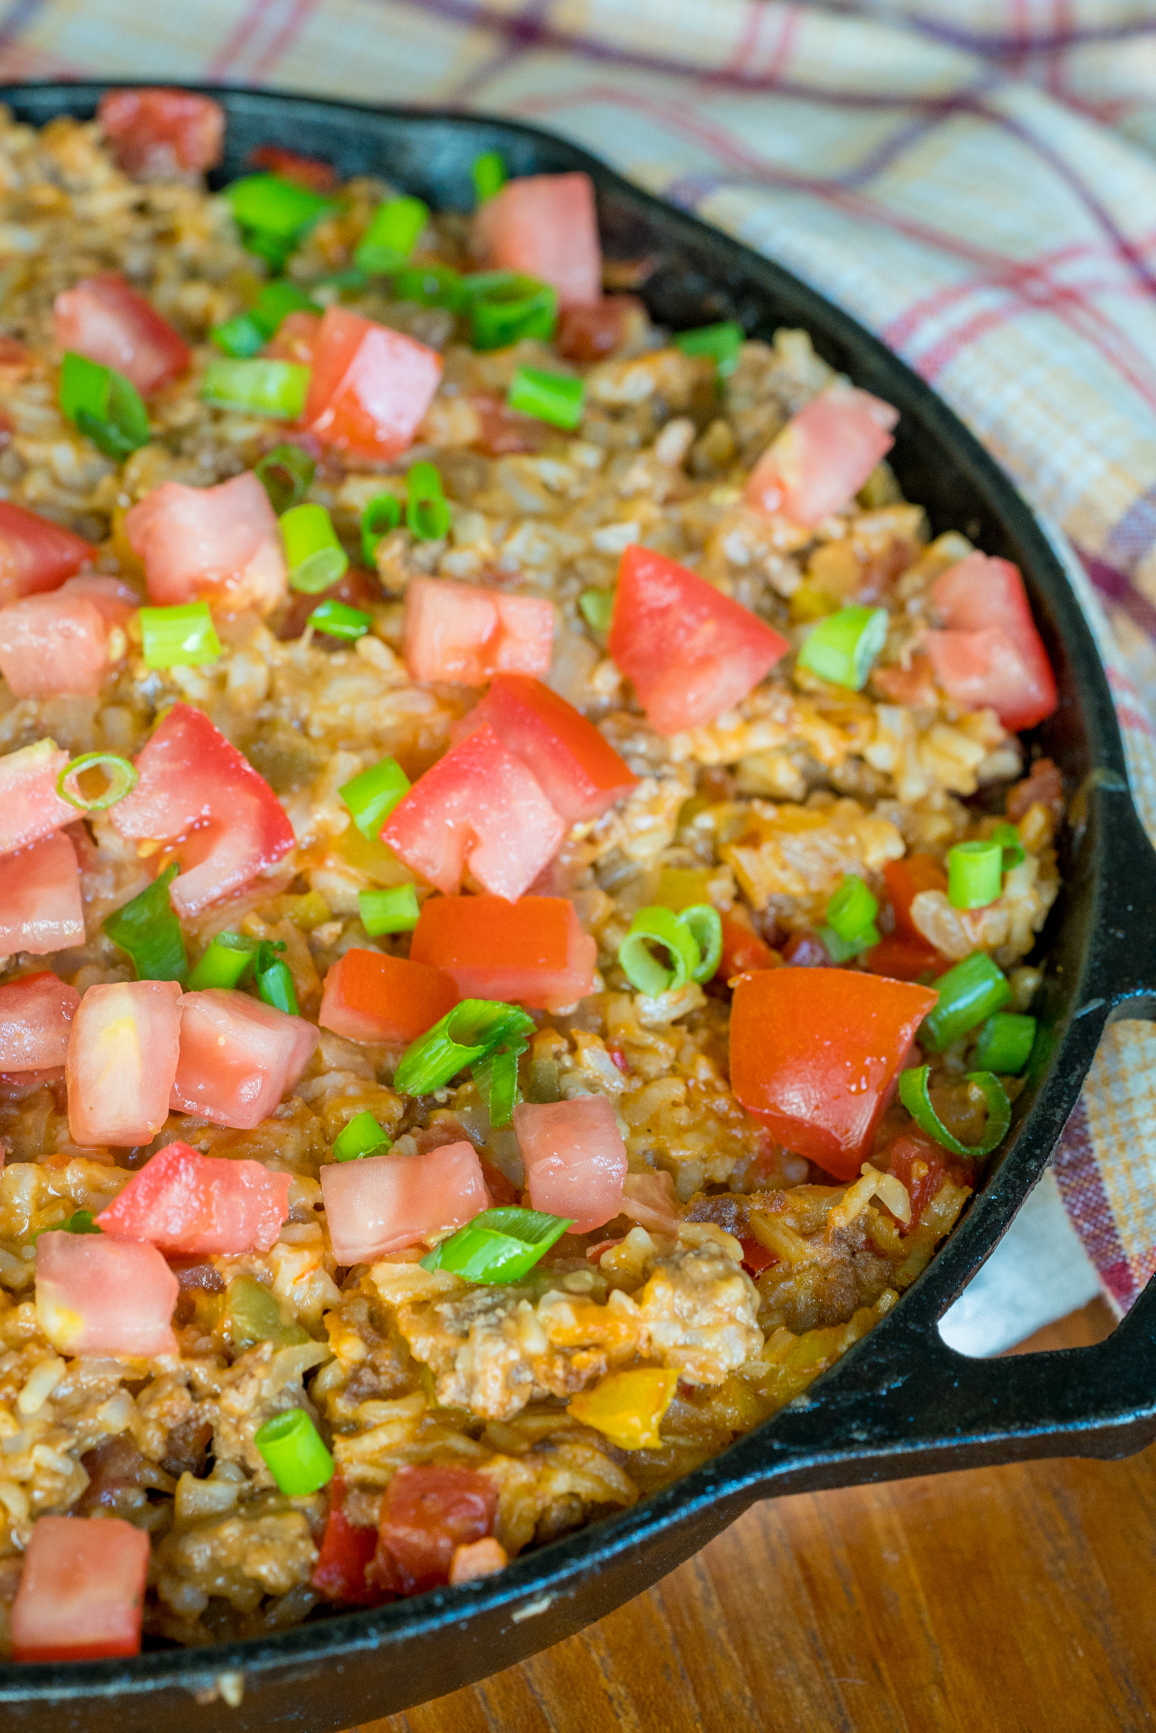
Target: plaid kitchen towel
973 179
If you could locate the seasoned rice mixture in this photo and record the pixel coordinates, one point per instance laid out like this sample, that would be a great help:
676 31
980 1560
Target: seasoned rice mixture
734 1267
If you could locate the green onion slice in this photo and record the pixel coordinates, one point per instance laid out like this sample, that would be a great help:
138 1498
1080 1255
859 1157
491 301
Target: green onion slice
974 874
104 405
275 207
339 620
842 950
721 342
148 929
430 286
852 910
460 1038
285 473
120 774
275 979
381 515
389 240
553 397
275 303
1008 838
969 994
1005 1043
504 307
496 1077
294 1453
316 557
489 172
178 637
842 648
238 337
705 924
658 929
913 1093
499 1245
597 609
362 1136
274 388
427 515
225 963
372 796
81 1221
390 911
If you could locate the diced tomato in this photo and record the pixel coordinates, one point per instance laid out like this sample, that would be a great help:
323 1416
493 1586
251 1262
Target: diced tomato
36 1013
477 1558
648 1199
30 807
99 1295
575 1158
307 171
198 794
370 386
222 543
383 1203
690 651
547 227
36 554
109 322
743 950
186 1202
991 655
921 1166
122 1059
238 1057
902 957
905 879
533 951
40 906
756 1257
821 459
806 951
579 772
295 338
592 333
112 597
370 997
913 685
81 1590
477 808
429 1511
159 134
53 645
1043 786
347 1549
465 635
815 1054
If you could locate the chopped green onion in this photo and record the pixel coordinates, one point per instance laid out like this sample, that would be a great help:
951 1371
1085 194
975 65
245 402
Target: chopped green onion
464 1035
1005 1043
705 924
352 278
294 1454
390 911
121 778
499 1245
362 1136
246 333
254 1314
372 796
389 240
274 249
178 637
553 397
104 405
285 473
968 995
381 515
81 1221
489 173
148 929
316 557
274 388
974 874
851 911
238 337
1008 838
658 928
275 207
275 979
429 285
225 963
913 1093
722 342
339 620
427 515
496 1078
843 950
597 609
842 647
504 307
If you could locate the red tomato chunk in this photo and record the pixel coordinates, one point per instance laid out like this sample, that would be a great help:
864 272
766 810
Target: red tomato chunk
815 1054
428 1512
54 645
575 1158
821 459
113 599
35 554
156 133
922 1167
347 1550
370 386
36 1013
369 997
186 1202
30 807
122 1061
580 773
198 793
648 1199
991 654
40 906
99 1295
545 226
238 1057
743 950
480 809
533 951
383 1203
221 543
308 171
295 339
690 651
81 1590
465 635
103 318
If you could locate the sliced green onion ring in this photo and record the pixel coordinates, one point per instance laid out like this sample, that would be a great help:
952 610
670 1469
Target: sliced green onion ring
179 637
272 388
842 647
721 342
489 172
339 620
556 398
294 1453
661 928
505 306
705 925
974 874
285 473
914 1094
379 517
391 236
851 911
81 1221
372 796
104 405
969 994
496 1078
1008 838
316 558
120 772
597 609
361 1136
429 286
427 515
149 930
1005 1043
238 337
464 1035
275 979
499 1245
275 303
225 963
394 910
275 207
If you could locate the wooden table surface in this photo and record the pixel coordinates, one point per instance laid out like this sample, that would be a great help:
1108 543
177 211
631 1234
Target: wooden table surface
1000 1600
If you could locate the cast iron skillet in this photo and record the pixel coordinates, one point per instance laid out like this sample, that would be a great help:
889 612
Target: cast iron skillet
899 1403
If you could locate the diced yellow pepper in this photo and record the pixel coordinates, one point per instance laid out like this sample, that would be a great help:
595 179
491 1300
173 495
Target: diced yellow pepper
627 1407
684 887
373 859
809 602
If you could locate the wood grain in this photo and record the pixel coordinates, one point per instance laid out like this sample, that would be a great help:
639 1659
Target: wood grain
1012 1599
